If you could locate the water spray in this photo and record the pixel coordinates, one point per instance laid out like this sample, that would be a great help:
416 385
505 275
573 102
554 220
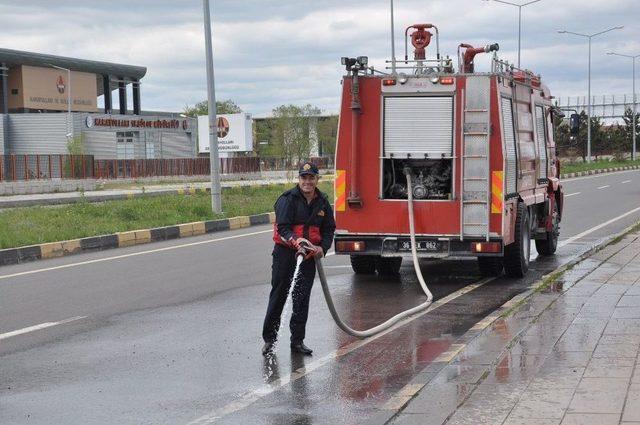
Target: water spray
395 319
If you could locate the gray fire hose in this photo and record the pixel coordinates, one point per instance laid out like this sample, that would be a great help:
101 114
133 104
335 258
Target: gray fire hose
395 319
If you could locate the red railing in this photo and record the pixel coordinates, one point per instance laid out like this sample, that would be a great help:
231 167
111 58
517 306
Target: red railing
33 167
282 164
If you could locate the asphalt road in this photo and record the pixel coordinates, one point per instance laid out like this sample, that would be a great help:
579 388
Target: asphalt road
170 332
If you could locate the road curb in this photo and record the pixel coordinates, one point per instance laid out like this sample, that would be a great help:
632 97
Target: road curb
24 254
129 238
459 347
599 171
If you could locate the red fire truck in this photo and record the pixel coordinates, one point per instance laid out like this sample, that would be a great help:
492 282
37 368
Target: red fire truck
478 147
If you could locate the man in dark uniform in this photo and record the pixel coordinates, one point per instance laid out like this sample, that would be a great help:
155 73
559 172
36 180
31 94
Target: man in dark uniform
303 218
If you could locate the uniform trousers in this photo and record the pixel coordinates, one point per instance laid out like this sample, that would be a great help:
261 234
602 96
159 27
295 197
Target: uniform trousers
282 269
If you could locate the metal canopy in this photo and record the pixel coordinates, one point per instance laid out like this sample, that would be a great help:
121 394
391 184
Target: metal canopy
115 70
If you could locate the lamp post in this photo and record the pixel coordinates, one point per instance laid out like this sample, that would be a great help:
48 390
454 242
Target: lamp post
633 77
589 36
69 122
519 6
216 198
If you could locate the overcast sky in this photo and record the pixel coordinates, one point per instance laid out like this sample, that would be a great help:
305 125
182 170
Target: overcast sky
273 52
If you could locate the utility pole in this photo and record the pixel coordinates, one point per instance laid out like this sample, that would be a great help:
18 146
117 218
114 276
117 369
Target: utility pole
519 6
69 120
633 58
589 36
216 196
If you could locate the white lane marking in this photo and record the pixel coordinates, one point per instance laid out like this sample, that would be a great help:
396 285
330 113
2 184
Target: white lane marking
599 226
39 327
134 254
571 194
604 187
626 181
267 389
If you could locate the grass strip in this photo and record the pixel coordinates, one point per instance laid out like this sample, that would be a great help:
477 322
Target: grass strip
576 167
35 225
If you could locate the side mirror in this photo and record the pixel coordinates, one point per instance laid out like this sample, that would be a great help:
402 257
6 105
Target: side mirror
574 124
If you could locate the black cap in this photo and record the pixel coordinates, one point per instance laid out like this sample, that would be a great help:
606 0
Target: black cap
308 168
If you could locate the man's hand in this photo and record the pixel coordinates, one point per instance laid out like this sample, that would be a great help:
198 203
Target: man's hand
316 252
300 243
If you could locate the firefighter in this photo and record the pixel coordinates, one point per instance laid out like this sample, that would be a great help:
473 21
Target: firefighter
304 218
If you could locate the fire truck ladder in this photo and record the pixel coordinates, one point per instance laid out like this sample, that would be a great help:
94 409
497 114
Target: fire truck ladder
474 205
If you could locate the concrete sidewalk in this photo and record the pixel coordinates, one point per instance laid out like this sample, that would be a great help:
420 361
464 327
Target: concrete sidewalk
566 354
17 201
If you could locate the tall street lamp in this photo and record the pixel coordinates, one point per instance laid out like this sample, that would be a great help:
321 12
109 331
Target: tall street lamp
69 121
519 6
216 198
633 77
589 36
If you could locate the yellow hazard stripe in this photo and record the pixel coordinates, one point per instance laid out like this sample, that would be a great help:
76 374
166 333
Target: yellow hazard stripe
496 192
340 188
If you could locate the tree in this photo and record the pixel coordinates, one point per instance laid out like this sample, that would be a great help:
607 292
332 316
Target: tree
599 141
628 128
291 131
617 141
562 137
327 134
222 107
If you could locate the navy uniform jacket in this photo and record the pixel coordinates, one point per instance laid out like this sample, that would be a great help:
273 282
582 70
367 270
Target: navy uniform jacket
297 219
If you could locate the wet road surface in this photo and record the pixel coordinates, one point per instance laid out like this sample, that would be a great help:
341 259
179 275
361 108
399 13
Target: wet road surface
173 335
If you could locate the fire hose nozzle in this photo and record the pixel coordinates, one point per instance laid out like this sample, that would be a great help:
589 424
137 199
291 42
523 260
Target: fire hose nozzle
304 248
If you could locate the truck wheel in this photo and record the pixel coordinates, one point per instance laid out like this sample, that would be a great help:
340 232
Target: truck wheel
548 246
363 264
389 265
516 255
490 266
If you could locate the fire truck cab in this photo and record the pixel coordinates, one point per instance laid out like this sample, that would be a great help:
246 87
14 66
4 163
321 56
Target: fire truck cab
479 149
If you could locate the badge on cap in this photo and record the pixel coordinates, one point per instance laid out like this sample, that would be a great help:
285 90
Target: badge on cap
306 167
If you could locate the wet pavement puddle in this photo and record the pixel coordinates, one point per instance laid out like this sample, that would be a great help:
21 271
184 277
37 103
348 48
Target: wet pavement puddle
353 385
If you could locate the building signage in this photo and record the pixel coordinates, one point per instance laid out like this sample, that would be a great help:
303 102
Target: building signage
49 89
136 123
235 133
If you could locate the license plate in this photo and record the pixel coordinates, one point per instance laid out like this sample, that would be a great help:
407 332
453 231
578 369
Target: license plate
429 246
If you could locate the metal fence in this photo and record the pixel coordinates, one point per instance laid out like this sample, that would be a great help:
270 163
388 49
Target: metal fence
33 167
282 164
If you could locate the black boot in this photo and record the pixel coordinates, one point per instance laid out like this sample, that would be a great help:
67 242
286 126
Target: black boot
267 348
299 347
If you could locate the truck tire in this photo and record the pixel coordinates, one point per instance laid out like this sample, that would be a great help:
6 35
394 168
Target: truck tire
516 255
490 266
389 265
363 264
548 246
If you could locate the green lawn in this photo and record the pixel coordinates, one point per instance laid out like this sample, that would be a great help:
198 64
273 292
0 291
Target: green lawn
575 167
34 225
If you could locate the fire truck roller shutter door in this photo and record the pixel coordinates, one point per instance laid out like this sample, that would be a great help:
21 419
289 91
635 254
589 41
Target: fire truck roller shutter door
541 136
420 126
509 137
